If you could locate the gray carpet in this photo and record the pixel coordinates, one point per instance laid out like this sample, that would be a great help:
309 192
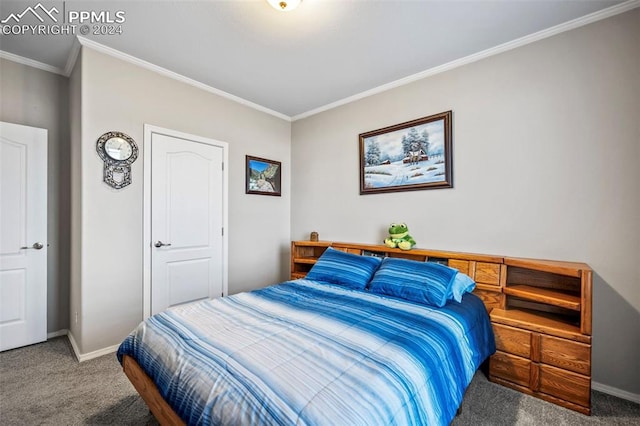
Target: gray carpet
43 384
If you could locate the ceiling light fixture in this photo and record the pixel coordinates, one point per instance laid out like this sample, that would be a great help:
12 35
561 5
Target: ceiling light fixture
284 5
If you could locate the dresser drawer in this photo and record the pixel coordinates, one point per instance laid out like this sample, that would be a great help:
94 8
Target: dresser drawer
491 299
488 273
565 385
510 367
512 340
566 354
460 265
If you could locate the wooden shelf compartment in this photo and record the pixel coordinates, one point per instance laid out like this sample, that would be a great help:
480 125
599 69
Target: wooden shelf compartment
304 254
544 295
324 244
307 260
567 315
535 278
570 269
542 322
419 252
416 257
308 251
301 269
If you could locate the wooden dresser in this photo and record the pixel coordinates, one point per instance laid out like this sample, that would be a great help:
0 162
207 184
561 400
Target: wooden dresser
540 311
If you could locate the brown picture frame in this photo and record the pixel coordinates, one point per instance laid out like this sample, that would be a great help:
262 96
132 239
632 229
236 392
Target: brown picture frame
263 177
409 156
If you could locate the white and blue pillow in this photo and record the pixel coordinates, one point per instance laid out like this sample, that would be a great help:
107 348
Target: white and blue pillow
461 284
422 282
346 269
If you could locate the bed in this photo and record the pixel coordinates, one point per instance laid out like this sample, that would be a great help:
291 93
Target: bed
314 351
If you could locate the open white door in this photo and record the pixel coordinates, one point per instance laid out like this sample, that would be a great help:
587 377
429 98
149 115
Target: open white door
187 210
23 235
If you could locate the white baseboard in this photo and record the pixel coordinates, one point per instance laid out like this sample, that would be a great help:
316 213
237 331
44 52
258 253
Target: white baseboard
98 353
58 333
91 355
610 390
74 345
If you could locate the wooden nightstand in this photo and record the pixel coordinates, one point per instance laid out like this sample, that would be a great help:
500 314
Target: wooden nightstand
543 333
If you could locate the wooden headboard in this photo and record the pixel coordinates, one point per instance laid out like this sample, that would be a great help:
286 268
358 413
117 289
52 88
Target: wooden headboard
554 287
488 271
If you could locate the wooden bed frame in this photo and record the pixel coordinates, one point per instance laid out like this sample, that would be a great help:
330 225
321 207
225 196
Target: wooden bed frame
149 393
541 305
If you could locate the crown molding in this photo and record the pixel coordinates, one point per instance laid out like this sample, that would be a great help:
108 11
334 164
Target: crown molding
522 41
85 42
30 62
72 58
540 35
80 41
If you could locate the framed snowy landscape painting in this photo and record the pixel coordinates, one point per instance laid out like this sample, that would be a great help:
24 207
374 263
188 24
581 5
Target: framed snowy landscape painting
408 156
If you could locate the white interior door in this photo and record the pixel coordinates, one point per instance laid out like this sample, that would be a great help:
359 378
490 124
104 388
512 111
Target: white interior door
186 221
23 234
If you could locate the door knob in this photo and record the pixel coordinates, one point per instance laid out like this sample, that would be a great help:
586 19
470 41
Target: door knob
36 246
161 244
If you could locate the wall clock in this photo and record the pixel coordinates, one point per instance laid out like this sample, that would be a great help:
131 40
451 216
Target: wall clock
118 151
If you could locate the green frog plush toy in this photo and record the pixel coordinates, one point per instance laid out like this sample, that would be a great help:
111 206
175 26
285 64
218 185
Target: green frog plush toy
399 237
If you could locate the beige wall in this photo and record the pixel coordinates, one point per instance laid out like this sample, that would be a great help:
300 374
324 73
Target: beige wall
117 95
37 98
75 132
546 153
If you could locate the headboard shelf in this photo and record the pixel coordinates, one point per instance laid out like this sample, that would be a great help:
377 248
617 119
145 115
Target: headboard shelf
309 260
543 295
572 269
417 252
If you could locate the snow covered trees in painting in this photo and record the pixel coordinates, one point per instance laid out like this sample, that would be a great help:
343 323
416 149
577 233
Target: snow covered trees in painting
408 156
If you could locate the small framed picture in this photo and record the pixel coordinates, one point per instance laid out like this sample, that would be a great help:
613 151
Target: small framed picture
263 176
408 156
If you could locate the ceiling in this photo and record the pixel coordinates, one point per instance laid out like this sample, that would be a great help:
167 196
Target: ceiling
295 63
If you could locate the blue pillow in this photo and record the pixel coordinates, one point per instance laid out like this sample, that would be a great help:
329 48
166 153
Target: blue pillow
422 282
350 270
461 284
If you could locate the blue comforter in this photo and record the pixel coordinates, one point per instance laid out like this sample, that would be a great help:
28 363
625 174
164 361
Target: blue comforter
310 353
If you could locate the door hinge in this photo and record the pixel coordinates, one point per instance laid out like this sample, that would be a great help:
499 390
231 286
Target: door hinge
223 166
223 232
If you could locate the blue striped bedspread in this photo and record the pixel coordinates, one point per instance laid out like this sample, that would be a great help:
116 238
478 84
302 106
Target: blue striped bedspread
310 353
